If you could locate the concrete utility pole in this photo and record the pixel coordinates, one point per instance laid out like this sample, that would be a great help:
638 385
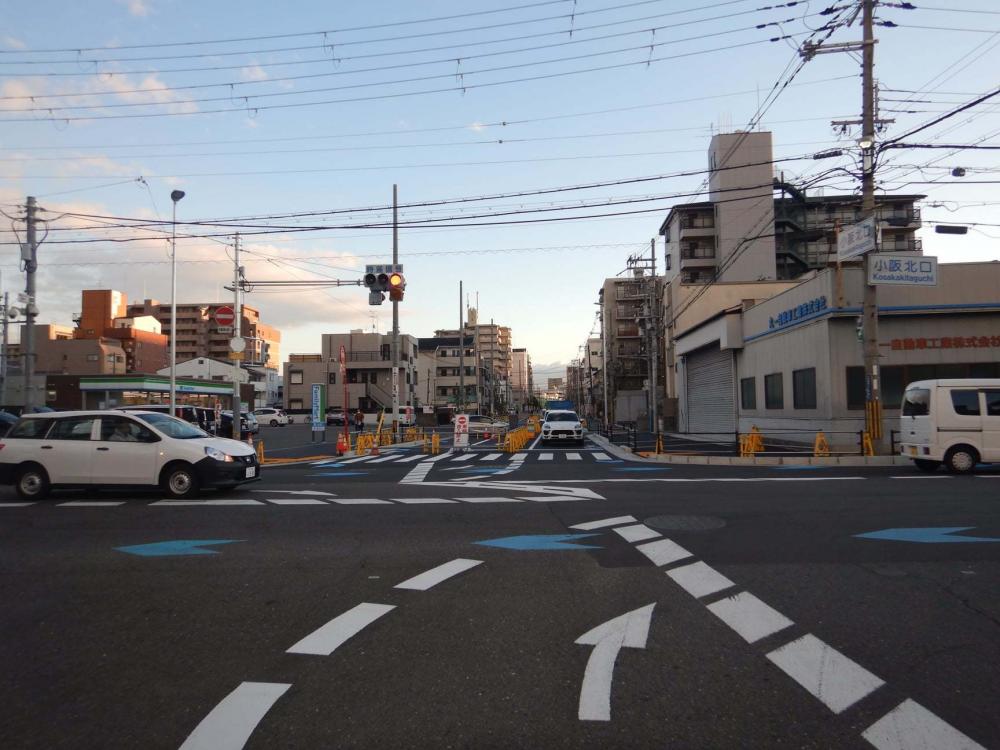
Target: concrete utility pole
3 354
460 401
30 256
237 330
604 371
175 196
395 321
654 316
873 386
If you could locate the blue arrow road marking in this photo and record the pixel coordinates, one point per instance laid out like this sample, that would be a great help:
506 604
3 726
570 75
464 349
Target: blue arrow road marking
539 541
927 535
176 547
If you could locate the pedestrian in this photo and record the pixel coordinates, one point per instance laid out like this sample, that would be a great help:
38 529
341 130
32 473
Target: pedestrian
359 420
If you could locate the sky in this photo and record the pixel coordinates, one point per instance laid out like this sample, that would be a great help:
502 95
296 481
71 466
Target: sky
108 106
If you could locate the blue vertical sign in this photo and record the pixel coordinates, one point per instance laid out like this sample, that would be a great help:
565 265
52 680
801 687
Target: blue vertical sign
318 416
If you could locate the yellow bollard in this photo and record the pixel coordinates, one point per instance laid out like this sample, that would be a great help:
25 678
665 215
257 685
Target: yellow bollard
821 447
867 446
260 451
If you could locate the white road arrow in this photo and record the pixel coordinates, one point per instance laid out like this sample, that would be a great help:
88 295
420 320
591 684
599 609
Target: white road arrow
630 630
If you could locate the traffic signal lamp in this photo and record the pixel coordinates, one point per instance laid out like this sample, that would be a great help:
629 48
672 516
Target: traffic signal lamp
397 285
375 296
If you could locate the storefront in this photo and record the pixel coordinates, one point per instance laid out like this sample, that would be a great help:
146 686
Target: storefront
793 364
113 391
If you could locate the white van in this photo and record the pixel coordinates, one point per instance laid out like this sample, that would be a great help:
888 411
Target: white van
116 448
954 422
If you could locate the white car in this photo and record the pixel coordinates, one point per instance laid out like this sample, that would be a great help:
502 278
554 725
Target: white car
563 427
480 424
114 448
273 417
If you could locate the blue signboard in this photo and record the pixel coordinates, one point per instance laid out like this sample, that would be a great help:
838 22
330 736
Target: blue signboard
794 314
318 417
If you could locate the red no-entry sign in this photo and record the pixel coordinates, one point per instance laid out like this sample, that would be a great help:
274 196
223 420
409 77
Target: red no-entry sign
225 316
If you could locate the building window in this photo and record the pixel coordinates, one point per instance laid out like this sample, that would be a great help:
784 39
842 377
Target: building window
804 388
295 403
965 403
295 377
748 393
774 391
92 358
332 378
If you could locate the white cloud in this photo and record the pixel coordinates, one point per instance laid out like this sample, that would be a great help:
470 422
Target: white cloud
13 43
477 127
137 8
253 73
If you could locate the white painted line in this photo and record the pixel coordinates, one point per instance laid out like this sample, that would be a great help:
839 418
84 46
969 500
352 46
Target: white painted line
699 579
551 498
406 459
434 576
464 457
492 456
922 476
910 725
235 501
229 725
298 492
330 637
91 504
573 457
532 446
663 551
987 476
295 501
360 501
545 456
487 499
637 533
826 673
599 456
383 459
603 523
420 500
355 460
17 505
749 616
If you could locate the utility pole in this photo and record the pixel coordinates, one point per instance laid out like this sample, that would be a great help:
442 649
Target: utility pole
873 386
3 355
654 327
604 369
395 321
30 256
237 326
460 401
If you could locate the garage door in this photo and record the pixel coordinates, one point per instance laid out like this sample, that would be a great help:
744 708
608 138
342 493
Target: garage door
710 391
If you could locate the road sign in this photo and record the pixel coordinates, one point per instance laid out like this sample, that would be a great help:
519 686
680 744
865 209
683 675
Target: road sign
237 344
225 316
343 359
461 431
856 240
236 355
318 411
902 269
223 329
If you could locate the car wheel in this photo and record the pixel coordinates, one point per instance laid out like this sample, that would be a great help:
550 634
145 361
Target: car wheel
32 483
179 481
274 423
925 465
961 459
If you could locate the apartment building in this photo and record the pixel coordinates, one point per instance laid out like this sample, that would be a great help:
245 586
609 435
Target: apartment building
104 315
440 362
522 379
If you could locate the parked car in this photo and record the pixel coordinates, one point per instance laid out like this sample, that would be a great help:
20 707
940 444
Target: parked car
562 426
248 423
115 448
951 422
298 416
335 417
7 420
271 416
480 424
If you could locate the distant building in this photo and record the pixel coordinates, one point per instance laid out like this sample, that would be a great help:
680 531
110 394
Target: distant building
263 379
522 378
104 315
439 363
492 360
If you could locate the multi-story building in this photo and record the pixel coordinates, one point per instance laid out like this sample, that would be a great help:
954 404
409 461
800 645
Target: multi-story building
593 361
104 314
492 358
440 363
368 372
522 379
198 334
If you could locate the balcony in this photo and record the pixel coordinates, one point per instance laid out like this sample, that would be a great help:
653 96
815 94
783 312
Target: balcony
902 244
696 226
369 356
697 255
631 291
627 332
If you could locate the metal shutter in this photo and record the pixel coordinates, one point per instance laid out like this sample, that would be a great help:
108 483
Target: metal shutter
710 389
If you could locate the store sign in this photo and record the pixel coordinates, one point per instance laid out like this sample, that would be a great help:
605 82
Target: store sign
856 240
799 312
946 342
897 268
317 415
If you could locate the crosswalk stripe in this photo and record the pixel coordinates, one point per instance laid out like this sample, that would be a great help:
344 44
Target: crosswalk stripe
355 460
492 456
603 457
406 459
544 456
573 457
464 457
382 459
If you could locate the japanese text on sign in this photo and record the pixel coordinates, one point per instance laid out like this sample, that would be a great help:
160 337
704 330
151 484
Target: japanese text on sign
805 310
889 268
946 342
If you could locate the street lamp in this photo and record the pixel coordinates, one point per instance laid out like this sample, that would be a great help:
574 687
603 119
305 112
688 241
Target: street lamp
175 196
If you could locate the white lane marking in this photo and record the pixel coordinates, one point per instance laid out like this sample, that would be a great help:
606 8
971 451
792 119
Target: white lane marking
464 457
234 501
705 479
637 533
355 460
17 505
910 725
630 630
420 500
91 504
551 498
923 476
229 725
434 576
360 501
492 456
532 446
826 673
545 456
599 456
699 579
749 616
487 499
327 639
406 459
295 501
297 492
383 459
573 457
663 551
603 523
422 469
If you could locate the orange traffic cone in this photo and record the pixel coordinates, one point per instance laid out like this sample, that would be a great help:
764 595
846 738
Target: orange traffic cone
341 444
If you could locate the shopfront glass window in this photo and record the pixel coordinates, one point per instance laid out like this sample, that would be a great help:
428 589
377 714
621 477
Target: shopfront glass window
774 391
748 393
804 388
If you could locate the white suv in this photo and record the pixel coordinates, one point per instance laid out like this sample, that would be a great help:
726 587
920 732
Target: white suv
273 417
562 426
114 448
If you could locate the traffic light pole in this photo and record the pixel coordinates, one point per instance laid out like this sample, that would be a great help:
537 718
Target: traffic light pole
31 310
237 321
395 321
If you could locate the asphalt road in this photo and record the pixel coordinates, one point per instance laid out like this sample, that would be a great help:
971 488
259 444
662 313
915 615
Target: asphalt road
772 623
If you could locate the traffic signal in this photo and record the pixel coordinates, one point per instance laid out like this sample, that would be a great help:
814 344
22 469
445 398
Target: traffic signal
375 296
397 285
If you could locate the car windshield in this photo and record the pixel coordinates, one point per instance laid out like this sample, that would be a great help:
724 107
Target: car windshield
172 427
561 416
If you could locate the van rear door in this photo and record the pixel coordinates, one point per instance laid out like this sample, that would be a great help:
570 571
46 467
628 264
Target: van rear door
991 426
915 421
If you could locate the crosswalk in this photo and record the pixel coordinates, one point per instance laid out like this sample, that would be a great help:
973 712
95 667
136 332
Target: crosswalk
477 458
